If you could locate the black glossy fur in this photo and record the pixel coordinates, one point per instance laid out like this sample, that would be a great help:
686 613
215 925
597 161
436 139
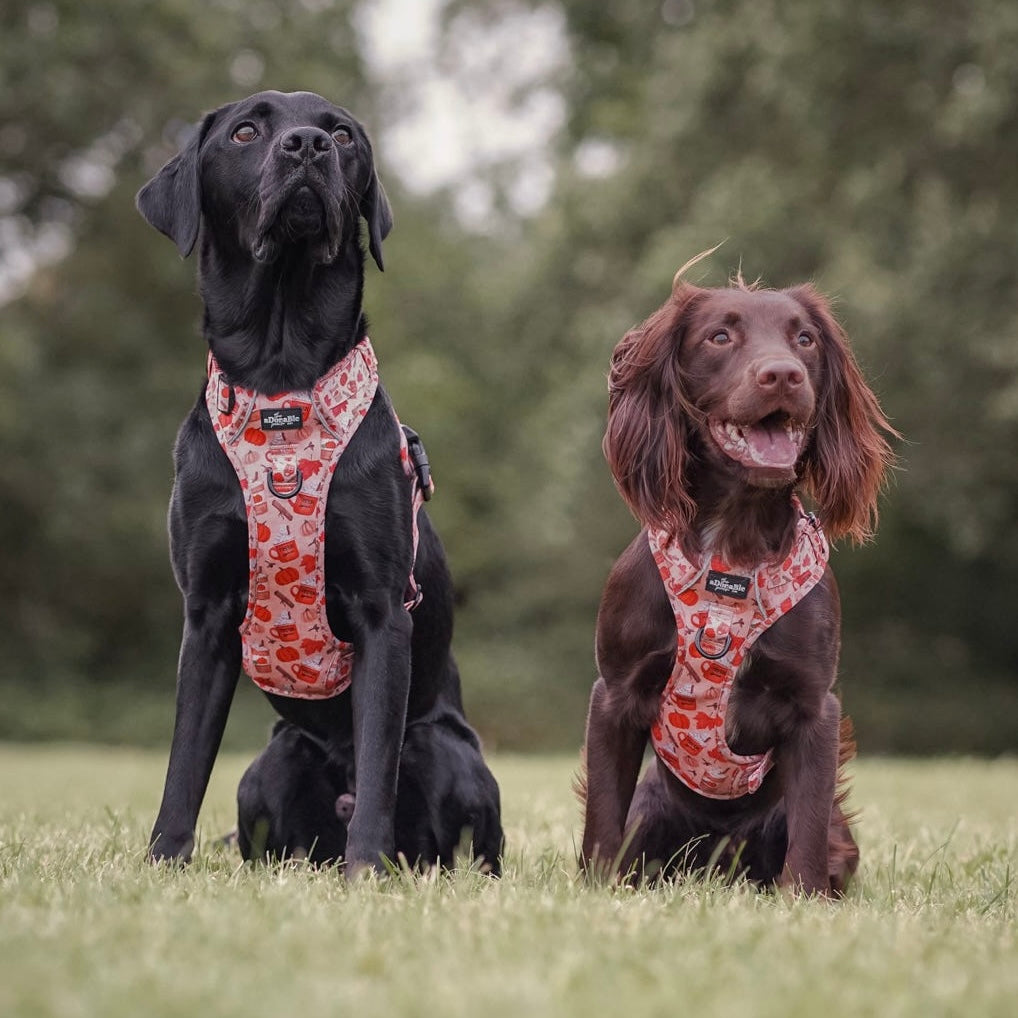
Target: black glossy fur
295 800
272 189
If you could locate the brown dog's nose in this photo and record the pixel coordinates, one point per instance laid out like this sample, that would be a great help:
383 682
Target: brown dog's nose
305 144
779 374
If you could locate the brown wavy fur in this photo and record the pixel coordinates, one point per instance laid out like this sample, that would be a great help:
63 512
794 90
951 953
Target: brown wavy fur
650 419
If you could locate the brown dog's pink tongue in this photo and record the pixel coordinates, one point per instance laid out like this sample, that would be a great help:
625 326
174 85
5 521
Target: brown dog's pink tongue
770 445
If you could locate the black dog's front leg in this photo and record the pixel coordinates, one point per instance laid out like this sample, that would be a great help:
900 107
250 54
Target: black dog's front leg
206 680
380 689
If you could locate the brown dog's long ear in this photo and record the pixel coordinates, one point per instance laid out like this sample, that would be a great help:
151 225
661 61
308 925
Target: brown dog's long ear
849 455
645 442
171 200
377 212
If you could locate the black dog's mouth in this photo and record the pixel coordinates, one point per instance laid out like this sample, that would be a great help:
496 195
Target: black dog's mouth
301 211
303 215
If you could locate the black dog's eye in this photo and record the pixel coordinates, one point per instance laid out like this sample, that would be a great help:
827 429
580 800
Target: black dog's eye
245 133
341 136
721 338
804 339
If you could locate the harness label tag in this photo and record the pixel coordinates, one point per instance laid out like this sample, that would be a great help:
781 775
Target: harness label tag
282 419
728 584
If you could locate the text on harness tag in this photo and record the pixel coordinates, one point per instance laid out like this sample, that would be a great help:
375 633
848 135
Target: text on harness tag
727 584
282 419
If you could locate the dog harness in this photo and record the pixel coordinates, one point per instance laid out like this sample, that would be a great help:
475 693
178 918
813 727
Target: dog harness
718 617
284 448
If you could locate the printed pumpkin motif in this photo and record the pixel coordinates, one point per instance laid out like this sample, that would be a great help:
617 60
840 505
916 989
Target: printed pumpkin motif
714 630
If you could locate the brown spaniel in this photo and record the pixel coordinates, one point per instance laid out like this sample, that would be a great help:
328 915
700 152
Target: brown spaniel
718 631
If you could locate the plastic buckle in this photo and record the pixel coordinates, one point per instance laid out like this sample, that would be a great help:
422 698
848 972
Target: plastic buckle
226 397
419 458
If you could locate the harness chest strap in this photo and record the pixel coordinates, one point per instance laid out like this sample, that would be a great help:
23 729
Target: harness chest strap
284 448
718 616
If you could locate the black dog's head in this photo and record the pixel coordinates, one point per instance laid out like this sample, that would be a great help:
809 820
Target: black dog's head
284 168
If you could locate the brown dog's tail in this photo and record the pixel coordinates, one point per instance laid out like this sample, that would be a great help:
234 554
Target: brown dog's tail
842 851
846 753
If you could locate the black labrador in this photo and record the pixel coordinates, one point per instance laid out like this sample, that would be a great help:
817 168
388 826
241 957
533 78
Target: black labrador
271 189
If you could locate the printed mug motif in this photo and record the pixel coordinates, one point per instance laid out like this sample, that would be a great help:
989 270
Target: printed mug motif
713 633
285 551
288 646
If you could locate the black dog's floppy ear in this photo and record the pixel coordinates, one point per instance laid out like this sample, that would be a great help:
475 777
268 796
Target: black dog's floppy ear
376 210
171 200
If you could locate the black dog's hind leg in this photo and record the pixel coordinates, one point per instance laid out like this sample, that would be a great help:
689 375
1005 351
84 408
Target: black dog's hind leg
380 689
206 681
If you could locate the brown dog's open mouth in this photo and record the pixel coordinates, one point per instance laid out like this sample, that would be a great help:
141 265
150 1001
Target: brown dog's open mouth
775 442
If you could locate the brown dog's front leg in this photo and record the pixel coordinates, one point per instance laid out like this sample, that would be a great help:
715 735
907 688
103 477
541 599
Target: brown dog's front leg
613 753
380 689
809 765
206 681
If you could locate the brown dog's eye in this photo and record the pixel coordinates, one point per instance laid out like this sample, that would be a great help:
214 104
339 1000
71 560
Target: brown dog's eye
804 339
721 338
245 133
341 136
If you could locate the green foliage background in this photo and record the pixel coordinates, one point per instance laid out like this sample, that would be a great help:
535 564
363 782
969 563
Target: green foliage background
869 146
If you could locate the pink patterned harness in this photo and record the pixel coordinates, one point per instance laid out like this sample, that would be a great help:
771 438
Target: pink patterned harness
717 620
285 448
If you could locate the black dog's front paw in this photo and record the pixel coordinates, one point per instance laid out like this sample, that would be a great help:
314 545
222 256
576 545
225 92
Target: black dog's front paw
354 869
366 856
168 848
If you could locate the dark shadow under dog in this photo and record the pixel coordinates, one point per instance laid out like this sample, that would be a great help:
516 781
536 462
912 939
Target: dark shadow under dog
296 799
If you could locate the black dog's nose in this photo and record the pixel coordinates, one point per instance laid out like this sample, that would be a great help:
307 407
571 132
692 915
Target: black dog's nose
305 144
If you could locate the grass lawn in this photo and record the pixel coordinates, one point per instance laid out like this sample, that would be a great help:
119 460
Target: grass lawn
88 928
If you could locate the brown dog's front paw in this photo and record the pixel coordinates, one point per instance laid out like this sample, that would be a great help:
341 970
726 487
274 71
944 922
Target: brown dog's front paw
794 886
599 868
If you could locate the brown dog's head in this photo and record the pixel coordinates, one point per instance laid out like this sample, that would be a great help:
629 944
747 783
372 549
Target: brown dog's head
757 386
283 169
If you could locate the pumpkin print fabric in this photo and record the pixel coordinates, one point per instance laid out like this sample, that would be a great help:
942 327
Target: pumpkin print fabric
718 616
284 449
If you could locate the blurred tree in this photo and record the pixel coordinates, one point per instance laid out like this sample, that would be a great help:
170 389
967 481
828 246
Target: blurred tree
871 148
101 355
868 146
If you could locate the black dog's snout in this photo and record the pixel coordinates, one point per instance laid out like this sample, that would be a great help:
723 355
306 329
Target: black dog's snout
306 144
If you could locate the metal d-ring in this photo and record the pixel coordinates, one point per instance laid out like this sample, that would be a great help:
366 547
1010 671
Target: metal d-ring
711 657
279 494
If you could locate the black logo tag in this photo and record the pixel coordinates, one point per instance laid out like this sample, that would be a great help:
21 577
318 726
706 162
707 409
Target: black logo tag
287 418
728 584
